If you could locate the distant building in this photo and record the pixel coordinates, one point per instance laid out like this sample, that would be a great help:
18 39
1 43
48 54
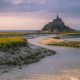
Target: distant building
56 26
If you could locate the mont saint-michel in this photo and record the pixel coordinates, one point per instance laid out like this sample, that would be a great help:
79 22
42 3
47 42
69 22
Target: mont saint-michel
57 26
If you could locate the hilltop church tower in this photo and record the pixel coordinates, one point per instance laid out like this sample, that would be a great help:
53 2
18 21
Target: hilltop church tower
57 16
56 26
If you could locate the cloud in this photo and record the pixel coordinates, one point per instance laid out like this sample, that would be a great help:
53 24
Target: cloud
30 21
42 9
69 8
16 2
38 5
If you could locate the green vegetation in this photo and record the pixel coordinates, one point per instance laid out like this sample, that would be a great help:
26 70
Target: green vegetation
9 34
2 34
74 34
13 41
56 37
75 44
24 55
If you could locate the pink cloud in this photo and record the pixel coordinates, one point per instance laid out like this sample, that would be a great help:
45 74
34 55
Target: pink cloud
29 21
32 20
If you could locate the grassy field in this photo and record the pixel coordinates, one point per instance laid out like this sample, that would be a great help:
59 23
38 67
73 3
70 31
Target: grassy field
60 42
74 34
75 44
12 42
3 34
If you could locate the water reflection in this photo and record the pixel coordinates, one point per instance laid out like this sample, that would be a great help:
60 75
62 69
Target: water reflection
50 77
46 69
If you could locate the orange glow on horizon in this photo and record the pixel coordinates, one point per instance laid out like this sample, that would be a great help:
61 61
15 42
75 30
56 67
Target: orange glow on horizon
16 22
30 21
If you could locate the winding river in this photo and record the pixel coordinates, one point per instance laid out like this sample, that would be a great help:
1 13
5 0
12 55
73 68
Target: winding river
66 58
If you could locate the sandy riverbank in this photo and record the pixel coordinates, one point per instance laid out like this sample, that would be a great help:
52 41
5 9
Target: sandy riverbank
61 42
51 41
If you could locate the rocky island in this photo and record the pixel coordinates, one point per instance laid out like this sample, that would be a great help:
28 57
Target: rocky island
57 26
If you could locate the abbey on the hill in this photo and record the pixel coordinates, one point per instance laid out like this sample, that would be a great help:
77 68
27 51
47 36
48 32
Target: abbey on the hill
56 26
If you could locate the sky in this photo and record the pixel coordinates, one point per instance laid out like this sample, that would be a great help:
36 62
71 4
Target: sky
34 14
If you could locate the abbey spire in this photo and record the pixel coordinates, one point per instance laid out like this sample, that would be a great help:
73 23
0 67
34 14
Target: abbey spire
56 26
57 16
